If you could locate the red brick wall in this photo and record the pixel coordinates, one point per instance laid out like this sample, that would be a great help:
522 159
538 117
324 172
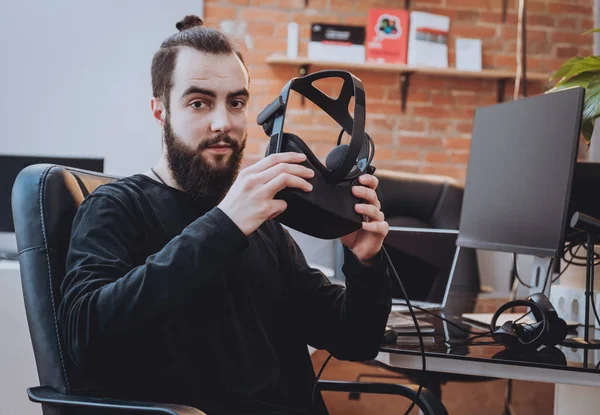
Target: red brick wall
433 136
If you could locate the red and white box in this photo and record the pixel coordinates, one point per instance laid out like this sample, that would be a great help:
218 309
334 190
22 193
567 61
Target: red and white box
387 36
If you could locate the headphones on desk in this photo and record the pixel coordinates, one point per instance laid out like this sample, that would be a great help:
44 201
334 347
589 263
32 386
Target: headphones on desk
548 330
328 210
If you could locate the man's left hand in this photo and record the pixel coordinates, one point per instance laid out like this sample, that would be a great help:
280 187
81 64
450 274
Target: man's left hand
367 241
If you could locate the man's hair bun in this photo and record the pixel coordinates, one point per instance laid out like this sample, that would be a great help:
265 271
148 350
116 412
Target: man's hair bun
188 22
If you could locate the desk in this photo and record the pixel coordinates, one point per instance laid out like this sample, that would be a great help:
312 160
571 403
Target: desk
577 368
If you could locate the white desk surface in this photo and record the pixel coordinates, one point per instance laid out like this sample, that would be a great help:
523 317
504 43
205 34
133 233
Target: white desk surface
495 370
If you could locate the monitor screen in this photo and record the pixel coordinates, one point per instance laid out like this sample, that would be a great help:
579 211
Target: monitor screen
11 165
520 172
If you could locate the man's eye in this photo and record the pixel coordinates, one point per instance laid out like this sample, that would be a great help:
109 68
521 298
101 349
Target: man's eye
237 103
198 104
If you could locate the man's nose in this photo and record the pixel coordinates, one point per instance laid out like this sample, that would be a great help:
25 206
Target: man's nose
220 122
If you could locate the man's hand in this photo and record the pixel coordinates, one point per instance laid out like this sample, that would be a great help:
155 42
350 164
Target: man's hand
250 201
367 242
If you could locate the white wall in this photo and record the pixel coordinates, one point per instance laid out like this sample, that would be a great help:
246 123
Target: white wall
75 82
494 271
76 78
17 365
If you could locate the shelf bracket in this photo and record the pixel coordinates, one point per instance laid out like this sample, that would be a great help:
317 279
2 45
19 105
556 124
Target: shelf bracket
404 85
407 4
303 70
500 91
504 7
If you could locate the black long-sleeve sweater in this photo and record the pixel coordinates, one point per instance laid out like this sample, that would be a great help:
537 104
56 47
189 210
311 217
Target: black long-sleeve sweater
167 300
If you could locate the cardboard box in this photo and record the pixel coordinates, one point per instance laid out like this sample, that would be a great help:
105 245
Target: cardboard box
337 43
387 36
468 54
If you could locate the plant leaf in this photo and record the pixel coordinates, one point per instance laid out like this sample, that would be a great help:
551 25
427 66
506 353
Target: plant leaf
591 31
582 80
591 107
587 64
565 68
587 127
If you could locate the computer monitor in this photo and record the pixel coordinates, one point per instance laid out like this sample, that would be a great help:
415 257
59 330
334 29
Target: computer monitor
10 166
519 175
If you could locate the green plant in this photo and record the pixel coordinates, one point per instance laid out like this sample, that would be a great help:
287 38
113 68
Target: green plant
583 72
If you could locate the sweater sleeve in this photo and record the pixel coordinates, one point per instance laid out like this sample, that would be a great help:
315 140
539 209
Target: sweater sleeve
349 321
106 296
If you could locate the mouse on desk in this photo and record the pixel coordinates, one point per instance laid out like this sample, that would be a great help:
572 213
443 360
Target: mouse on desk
389 336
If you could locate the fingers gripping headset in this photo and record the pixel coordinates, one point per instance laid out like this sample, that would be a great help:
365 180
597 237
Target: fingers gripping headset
327 211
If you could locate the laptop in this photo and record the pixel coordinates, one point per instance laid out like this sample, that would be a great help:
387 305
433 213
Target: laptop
425 260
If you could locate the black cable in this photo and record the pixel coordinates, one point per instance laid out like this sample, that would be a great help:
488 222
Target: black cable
548 274
319 375
339 140
595 312
591 265
446 320
414 317
469 340
515 271
523 316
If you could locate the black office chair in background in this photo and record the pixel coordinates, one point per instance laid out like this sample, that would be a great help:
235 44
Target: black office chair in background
429 201
45 199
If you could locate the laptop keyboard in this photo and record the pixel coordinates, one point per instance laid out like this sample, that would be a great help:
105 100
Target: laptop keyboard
397 319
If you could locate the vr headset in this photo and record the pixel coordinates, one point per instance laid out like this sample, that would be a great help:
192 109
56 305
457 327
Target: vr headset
327 212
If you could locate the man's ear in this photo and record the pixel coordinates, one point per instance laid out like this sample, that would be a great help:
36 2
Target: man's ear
158 110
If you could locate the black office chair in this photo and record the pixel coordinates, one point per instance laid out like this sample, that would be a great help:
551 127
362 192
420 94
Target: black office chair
429 201
45 199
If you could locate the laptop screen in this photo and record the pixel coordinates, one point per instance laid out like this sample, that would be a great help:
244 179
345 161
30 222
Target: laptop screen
424 260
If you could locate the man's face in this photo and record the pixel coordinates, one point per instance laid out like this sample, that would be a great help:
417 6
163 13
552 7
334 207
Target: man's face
205 125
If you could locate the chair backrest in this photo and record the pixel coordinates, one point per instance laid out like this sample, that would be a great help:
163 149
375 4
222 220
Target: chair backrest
45 199
431 201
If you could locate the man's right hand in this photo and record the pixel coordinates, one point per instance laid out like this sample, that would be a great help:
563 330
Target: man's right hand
250 201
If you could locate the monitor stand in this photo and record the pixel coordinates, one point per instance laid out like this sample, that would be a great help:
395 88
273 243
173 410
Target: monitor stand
541 275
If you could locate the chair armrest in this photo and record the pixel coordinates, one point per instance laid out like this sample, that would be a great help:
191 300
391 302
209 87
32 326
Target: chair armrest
426 401
48 395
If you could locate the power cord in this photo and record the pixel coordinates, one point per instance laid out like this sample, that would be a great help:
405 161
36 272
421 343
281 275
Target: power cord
414 318
446 320
419 334
469 341
591 264
319 376
515 272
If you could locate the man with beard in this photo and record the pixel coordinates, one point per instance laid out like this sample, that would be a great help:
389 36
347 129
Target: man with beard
181 289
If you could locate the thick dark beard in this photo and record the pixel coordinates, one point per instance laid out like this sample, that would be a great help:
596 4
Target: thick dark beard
201 181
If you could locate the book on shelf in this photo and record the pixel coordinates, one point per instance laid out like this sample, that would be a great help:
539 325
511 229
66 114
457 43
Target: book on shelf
428 39
387 36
